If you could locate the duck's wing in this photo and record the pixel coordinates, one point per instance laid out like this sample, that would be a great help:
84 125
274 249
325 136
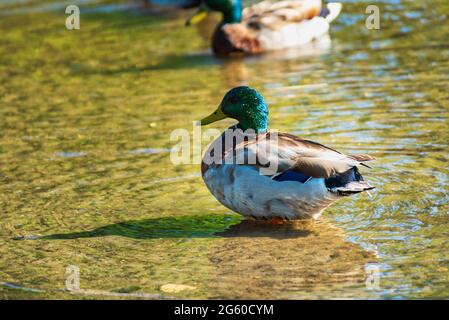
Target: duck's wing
281 153
311 158
273 15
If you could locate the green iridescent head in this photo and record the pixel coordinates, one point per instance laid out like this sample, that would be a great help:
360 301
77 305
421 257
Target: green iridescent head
245 105
231 9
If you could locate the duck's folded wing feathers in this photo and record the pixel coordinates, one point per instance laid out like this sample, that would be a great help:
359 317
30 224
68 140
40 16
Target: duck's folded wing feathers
313 159
283 152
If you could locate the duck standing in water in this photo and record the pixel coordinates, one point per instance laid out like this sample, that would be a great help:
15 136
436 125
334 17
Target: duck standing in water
267 25
295 179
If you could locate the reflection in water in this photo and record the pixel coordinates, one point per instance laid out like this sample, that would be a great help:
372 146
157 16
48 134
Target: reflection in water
301 259
254 229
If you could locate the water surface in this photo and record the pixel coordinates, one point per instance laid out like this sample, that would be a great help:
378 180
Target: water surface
86 177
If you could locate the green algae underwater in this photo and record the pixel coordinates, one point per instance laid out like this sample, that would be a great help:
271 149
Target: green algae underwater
86 177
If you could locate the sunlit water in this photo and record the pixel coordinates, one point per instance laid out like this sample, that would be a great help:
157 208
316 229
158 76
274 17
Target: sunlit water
86 177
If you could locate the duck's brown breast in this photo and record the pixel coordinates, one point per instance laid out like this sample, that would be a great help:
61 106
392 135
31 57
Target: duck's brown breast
221 44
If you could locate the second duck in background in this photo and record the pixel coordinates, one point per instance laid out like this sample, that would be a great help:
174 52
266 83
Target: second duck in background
268 25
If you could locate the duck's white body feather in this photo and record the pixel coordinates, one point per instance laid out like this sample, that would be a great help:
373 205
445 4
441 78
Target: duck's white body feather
293 35
243 189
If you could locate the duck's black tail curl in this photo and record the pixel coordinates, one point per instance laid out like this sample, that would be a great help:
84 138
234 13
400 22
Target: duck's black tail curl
348 183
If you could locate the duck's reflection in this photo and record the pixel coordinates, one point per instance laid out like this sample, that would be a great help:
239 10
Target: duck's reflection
255 228
305 259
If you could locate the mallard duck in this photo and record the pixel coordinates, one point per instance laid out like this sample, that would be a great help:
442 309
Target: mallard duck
267 25
266 174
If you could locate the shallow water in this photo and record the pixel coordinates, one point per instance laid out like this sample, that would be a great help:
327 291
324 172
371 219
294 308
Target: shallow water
86 177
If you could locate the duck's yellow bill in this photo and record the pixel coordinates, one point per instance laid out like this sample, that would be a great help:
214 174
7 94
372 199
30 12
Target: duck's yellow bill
214 116
199 15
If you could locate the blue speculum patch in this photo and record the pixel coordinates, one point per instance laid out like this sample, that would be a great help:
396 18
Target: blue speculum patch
292 176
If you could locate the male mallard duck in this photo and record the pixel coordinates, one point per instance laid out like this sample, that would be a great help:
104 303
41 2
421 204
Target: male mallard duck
271 175
268 25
